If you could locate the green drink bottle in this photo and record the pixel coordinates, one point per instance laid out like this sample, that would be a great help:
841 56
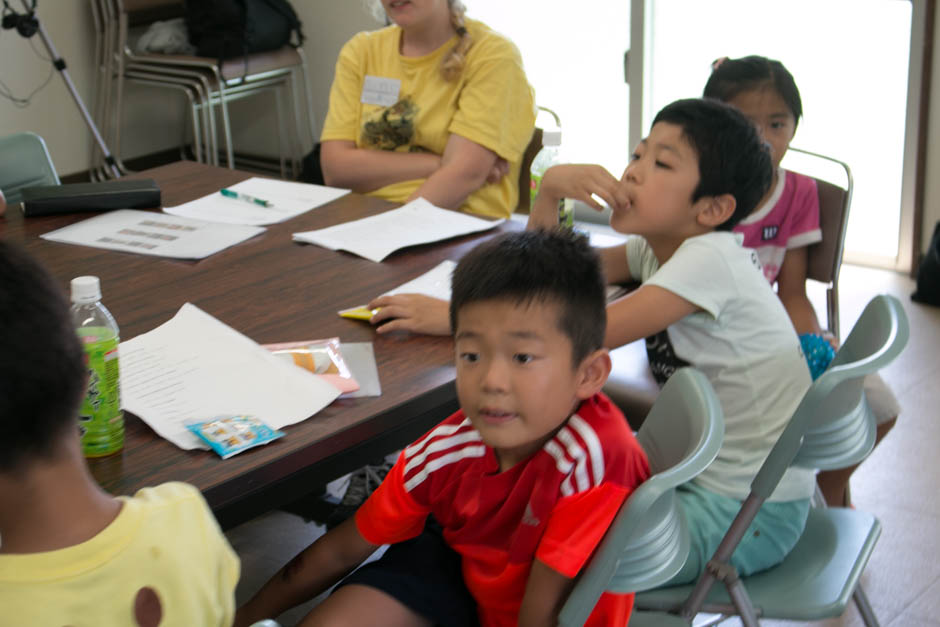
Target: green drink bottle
101 421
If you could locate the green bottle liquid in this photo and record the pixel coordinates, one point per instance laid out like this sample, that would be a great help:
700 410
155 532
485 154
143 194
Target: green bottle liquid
101 421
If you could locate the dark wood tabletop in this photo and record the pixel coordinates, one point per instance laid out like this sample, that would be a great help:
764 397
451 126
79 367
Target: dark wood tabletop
272 290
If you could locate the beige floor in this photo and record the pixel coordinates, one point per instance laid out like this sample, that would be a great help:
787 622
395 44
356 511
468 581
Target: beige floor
899 481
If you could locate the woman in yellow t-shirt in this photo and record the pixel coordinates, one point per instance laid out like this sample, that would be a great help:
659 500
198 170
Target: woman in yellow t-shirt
435 105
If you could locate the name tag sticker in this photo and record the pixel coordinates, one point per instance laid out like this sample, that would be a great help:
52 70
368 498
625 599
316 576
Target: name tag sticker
380 91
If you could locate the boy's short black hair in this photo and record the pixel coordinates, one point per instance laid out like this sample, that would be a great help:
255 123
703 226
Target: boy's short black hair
732 158
42 367
735 76
556 266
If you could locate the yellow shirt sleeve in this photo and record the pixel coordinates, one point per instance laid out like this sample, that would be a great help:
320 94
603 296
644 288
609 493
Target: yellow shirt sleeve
343 117
496 108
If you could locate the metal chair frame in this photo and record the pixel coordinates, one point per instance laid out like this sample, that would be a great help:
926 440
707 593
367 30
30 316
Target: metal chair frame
824 259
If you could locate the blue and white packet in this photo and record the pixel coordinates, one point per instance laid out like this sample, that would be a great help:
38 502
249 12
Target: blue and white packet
228 435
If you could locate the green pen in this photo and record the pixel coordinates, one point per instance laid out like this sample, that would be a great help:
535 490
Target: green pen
231 193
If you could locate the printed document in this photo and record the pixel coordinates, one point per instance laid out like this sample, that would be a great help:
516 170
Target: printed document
194 368
150 233
376 237
285 200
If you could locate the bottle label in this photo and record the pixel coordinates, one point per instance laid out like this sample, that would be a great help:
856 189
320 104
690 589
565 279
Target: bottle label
535 182
566 213
101 421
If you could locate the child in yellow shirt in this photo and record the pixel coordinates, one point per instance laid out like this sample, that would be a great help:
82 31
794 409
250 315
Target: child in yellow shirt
69 552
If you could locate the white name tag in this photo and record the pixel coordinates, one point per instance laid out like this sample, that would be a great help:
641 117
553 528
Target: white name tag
380 91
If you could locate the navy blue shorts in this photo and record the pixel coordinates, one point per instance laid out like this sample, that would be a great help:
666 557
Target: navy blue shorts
423 574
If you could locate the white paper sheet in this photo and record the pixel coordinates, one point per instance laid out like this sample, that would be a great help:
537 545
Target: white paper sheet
435 282
150 233
288 199
376 237
194 367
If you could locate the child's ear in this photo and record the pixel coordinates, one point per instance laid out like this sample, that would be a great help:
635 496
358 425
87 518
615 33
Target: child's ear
716 210
593 373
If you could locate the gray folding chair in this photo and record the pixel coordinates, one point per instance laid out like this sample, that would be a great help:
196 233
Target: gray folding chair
833 427
648 542
24 162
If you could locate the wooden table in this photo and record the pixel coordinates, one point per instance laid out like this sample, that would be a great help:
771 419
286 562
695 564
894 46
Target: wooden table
272 290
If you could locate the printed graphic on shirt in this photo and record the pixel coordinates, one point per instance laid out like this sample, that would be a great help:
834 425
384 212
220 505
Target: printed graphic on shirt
755 259
394 126
528 517
769 232
662 357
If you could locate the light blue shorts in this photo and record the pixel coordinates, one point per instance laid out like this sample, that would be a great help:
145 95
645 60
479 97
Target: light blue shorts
771 536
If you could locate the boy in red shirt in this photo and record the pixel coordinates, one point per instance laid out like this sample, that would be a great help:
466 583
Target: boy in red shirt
507 498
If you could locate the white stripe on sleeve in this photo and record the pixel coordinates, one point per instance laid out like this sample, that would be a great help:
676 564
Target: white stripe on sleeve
593 443
578 454
442 445
444 460
439 431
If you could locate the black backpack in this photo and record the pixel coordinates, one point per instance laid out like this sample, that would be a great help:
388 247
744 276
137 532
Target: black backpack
928 274
224 29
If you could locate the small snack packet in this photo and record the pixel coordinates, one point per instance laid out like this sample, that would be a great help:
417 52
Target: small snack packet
321 357
228 435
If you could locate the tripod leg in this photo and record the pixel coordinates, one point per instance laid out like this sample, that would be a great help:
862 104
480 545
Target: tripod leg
59 64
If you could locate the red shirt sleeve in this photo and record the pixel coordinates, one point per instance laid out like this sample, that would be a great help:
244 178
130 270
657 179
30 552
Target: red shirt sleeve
577 524
391 514
579 521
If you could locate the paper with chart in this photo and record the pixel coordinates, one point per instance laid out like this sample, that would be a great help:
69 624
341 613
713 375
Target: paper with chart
150 233
194 367
376 237
286 199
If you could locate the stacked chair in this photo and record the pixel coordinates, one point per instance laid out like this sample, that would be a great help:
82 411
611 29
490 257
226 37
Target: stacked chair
832 427
207 85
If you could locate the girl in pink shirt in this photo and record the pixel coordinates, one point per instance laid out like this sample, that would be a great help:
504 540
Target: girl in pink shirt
786 220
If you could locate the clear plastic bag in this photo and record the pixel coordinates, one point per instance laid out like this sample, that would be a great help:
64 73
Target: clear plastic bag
321 357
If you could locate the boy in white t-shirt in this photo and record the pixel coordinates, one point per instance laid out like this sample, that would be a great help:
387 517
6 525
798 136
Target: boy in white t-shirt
704 302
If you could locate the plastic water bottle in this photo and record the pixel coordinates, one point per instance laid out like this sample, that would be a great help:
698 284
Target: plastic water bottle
549 155
101 420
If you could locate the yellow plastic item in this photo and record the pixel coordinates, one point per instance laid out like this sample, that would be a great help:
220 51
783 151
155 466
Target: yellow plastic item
358 313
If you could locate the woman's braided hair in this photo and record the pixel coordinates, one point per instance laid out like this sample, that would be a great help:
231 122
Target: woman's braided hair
453 62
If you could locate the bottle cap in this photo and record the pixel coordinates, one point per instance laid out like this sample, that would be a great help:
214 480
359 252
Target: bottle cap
86 289
551 138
